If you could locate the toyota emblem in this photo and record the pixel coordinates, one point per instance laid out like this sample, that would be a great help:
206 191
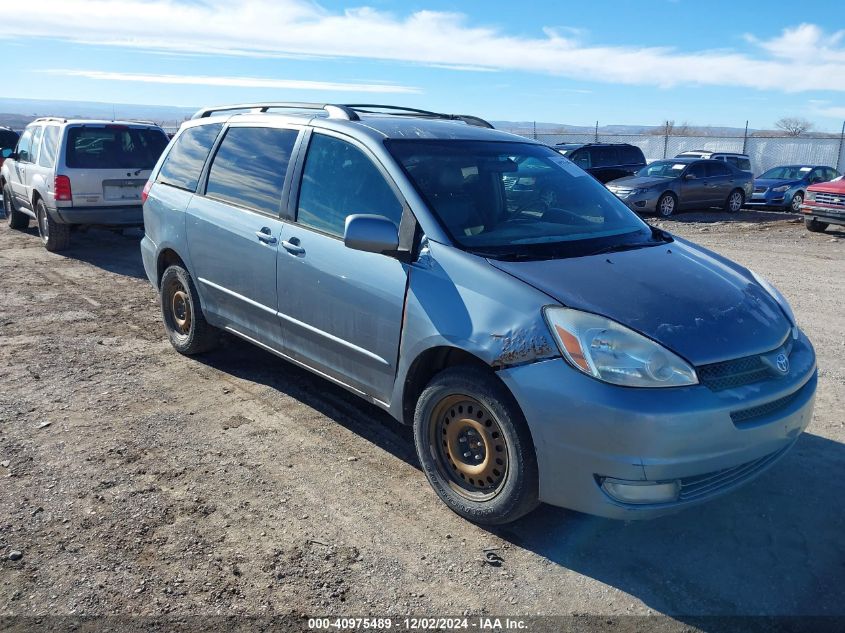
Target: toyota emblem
782 363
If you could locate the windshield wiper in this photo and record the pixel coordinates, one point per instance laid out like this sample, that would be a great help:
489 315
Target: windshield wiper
510 256
660 237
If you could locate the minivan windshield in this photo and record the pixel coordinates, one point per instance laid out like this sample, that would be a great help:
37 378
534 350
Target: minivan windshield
517 200
114 147
663 169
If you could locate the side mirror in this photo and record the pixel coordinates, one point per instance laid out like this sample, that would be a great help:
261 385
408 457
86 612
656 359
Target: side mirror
371 234
689 176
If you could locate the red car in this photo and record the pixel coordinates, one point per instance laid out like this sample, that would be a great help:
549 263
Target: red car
824 204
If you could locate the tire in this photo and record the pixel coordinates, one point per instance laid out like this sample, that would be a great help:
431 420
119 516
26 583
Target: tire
735 201
814 226
797 201
667 204
181 311
17 220
495 485
54 236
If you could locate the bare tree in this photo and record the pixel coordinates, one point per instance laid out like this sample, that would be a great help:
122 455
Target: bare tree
793 126
669 128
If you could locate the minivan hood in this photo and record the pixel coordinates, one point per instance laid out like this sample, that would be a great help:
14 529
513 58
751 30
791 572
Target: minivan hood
690 300
638 181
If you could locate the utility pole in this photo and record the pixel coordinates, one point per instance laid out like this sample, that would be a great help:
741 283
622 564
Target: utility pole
535 130
597 131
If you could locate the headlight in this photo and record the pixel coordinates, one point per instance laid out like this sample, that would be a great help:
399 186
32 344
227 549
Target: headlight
778 297
781 189
641 190
810 197
606 350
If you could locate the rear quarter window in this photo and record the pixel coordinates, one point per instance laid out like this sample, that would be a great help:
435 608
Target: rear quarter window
114 147
184 162
49 146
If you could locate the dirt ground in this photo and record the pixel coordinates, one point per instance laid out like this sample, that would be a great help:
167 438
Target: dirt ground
136 481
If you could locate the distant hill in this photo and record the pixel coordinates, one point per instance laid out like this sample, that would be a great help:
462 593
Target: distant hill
16 113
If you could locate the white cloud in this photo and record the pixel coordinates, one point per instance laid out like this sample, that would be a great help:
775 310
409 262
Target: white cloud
800 59
239 82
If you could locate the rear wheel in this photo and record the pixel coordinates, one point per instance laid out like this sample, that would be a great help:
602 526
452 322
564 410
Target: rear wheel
666 205
735 201
17 220
475 447
797 201
814 226
54 236
184 320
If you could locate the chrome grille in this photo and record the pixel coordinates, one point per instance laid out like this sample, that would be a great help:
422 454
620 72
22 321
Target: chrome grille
834 199
739 372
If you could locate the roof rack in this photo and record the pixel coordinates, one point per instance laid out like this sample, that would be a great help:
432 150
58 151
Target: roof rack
348 112
338 111
50 118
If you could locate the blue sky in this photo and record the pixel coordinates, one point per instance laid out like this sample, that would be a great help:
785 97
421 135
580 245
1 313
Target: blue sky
618 62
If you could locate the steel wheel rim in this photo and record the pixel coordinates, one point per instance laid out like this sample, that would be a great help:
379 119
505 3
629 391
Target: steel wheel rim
667 205
469 447
736 201
180 310
797 199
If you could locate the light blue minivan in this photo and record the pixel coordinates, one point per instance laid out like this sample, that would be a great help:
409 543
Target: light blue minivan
545 343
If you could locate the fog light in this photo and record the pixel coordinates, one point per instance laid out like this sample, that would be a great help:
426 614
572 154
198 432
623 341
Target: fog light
641 491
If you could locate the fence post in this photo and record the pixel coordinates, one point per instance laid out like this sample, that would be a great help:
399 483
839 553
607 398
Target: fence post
666 143
839 155
745 138
597 131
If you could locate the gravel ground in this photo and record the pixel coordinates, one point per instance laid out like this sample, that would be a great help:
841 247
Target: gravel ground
136 481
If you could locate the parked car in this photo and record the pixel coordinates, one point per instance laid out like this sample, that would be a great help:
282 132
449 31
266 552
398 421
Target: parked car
559 350
8 140
667 186
784 187
605 161
68 172
741 161
824 205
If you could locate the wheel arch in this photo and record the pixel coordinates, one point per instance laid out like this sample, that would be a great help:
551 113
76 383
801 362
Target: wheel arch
428 364
167 257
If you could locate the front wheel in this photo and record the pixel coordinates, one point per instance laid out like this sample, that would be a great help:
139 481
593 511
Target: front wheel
666 205
54 236
735 201
814 226
475 447
183 317
797 201
17 220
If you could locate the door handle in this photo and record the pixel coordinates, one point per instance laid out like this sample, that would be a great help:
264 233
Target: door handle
292 246
264 235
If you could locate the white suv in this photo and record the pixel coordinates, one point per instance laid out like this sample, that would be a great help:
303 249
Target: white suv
70 172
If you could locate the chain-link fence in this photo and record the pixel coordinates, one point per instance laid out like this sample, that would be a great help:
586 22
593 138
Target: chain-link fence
765 152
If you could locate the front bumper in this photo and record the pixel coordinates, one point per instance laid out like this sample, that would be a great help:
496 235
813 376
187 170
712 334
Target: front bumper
830 215
640 202
770 199
585 430
130 215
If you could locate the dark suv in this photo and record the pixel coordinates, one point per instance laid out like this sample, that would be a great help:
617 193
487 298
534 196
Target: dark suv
605 161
